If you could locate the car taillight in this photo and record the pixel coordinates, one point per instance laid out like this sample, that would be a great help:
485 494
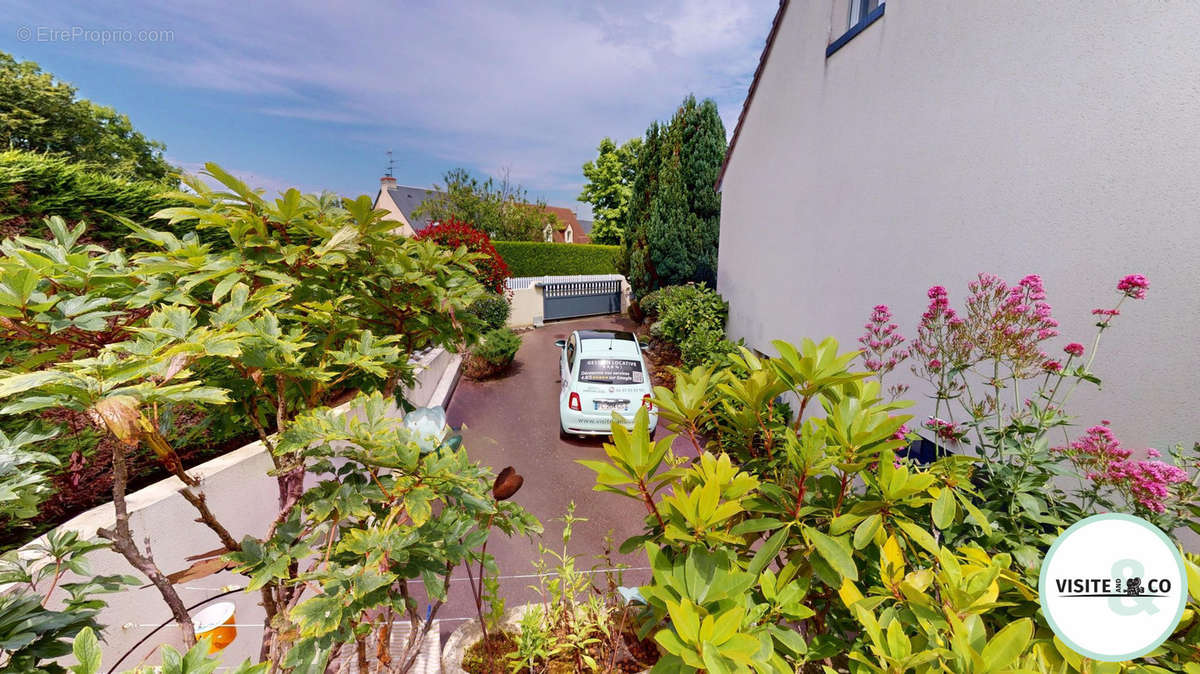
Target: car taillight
646 403
574 403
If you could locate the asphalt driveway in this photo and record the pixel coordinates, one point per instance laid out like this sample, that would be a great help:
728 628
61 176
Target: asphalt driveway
513 421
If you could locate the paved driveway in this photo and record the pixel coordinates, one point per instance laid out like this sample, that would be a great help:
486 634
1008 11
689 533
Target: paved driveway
514 422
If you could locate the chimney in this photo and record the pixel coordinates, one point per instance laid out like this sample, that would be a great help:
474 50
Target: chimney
387 182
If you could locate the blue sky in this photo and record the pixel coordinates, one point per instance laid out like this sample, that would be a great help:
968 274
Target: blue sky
312 94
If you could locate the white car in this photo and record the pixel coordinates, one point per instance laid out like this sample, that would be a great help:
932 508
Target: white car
602 372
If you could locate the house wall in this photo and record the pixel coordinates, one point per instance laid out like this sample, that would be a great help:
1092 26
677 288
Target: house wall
384 200
958 136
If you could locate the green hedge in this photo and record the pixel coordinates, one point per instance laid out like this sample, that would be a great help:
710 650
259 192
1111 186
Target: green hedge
533 258
34 186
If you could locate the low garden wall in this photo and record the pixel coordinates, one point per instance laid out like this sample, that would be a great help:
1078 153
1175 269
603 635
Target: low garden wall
244 497
526 298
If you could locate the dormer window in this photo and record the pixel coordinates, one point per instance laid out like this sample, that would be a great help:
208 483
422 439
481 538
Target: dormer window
548 233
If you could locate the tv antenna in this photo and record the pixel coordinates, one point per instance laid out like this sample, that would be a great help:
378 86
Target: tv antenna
391 163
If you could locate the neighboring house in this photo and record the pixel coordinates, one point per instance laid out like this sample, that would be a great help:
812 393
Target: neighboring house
569 229
400 201
587 226
884 149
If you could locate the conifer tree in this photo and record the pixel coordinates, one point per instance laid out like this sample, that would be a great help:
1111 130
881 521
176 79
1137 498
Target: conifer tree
673 226
638 267
701 154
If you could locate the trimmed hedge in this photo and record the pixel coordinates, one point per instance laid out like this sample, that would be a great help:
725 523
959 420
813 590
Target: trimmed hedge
534 258
34 186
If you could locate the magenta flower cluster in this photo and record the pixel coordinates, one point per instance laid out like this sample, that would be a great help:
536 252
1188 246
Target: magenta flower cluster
999 322
1134 286
946 430
881 342
1074 349
1103 461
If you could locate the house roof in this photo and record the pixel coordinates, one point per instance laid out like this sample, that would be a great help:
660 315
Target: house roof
587 226
566 217
762 64
407 199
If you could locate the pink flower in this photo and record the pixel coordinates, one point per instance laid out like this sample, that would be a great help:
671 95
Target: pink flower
881 341
946 430
1074 348
1052 366
1102 459
935 364
1153 453
1105 312
1134 286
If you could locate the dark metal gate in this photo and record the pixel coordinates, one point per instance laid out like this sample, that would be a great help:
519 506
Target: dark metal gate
580 298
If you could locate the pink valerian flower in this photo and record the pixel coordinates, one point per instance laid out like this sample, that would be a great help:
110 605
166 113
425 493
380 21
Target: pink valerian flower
940 339
1105 312
1148 482
946 430
939 303
1074 349
1008 323
1134 286
1052 365
1153 453
882 342
1099 455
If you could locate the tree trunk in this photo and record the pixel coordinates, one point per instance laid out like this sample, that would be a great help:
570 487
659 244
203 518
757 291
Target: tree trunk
122 541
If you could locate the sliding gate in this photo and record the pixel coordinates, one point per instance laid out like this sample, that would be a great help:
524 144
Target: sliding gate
572 299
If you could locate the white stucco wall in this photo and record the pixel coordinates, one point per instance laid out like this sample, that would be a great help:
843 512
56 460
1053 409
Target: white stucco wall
384 200
959 136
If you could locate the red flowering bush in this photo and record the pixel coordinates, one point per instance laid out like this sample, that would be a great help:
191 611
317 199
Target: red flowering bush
491 271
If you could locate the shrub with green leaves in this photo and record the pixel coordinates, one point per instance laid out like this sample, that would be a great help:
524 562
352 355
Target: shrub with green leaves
23 473
494 353
32 635
804 544
307 299
705 345
492 310
691 317
35 186
535 258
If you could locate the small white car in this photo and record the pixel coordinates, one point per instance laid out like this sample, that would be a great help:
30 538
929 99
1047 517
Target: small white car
602 372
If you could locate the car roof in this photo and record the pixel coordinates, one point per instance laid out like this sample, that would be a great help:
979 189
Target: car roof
623 335
607 342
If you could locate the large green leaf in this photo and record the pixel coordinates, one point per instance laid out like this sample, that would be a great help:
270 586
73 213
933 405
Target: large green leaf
835 551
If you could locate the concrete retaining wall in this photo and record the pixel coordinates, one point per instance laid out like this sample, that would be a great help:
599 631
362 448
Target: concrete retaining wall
244 498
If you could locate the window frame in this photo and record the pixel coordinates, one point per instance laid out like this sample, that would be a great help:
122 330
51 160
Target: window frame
857 27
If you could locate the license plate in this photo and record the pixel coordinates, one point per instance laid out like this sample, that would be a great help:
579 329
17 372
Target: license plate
608 405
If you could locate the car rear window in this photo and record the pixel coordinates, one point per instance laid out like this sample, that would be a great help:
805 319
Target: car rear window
610 371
